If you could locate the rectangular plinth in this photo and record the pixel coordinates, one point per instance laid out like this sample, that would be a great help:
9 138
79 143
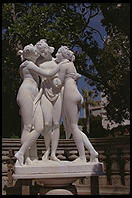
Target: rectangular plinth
58 170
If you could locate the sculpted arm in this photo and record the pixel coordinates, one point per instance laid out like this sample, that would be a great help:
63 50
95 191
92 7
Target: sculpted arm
23 69
68 70
43 72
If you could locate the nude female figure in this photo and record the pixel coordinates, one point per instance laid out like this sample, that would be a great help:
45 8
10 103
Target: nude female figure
32 119
71 103
72 100
50 98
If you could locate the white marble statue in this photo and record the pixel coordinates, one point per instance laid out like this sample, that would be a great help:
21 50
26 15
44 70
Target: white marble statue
31 114
72 100
50 96
41 111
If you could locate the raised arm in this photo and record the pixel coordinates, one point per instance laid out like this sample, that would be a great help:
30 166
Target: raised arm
42 72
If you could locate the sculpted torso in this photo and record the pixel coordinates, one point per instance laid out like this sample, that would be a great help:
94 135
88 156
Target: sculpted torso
30 74
48 65
29 84
50 84
68 75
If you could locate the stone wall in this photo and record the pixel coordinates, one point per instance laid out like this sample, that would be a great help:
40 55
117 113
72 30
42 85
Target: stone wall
113 152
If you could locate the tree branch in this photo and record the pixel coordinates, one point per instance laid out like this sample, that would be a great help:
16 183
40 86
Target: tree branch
91 16
87 75
97 32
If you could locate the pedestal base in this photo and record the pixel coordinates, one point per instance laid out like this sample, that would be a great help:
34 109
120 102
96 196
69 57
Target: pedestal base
51 174
61 168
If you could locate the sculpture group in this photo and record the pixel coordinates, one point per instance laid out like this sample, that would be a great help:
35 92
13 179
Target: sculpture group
48 94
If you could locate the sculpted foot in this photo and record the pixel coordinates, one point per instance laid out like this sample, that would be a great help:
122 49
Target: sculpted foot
94 157
79 160
45 156
54 158
17 163
20 157
28 161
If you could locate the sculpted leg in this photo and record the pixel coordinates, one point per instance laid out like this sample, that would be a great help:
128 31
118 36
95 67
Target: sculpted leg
47 137
26 107
38 126
47 109
56 128
30 140
33 152
54 139
20 154
72 113
79 143
27 153
29 136
26 156
88 145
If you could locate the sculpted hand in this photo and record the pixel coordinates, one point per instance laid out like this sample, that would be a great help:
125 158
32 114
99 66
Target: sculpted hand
31 65
57 82
25 63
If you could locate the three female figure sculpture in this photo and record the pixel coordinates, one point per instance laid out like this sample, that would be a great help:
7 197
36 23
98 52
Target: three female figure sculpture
58 96
32 120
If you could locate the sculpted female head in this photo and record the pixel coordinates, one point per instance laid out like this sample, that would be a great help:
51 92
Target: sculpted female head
29 53
44 49
64 53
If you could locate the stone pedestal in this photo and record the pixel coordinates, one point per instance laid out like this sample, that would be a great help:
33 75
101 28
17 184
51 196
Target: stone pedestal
53 175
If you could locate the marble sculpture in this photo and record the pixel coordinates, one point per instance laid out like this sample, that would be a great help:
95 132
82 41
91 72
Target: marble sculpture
49 93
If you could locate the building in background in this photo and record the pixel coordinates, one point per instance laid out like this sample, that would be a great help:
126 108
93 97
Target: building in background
100 110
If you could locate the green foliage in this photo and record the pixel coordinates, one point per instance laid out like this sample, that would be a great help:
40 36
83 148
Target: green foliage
96 129
113 61
113 68
11 82
120 131
14 136
116 17
89 97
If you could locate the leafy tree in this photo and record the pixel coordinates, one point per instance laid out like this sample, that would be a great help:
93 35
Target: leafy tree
113 68
96 129
120 131
116 17
113 61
